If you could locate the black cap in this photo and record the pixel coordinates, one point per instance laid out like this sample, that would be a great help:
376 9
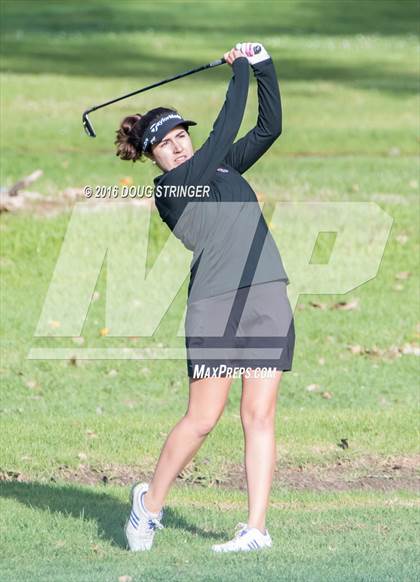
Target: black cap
157 130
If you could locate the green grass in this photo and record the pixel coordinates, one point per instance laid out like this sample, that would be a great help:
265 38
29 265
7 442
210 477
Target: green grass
349 83
316 537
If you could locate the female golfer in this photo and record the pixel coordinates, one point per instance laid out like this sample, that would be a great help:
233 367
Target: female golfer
239 320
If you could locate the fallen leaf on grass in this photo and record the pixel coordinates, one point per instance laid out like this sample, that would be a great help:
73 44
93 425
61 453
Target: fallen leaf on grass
112 373
31 384
411 349
11 476
343 444
91 434
312 388
82 456
402 275
125 579
321 361
327 395
104 331
346 305
402 239
318 305
392 352
375 351
389 353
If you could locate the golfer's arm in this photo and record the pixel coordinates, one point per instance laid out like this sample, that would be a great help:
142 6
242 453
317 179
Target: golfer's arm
247 150
201 167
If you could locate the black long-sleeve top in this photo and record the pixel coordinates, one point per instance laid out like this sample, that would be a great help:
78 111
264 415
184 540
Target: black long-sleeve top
232 246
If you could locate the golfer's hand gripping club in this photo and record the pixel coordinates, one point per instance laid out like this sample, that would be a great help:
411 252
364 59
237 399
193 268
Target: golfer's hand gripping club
253 51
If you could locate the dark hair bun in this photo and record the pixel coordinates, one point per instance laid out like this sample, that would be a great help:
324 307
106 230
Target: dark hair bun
126 142
130 134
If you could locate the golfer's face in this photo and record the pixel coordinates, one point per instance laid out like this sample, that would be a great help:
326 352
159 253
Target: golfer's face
173 150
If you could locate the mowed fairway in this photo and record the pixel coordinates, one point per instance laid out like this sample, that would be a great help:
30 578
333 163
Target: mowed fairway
76 433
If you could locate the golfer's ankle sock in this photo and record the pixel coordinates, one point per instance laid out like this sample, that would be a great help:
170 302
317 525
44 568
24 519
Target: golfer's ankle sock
263 531
149 513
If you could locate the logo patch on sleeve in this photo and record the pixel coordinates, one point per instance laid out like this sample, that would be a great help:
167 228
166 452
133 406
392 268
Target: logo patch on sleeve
223 170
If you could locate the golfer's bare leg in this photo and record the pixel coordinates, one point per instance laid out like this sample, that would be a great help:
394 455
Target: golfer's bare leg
258 412
206 403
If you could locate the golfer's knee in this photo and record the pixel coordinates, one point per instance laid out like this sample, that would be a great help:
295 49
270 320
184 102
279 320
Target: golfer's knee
201 426
259 420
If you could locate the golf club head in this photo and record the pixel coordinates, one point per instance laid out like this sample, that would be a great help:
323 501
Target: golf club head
88 126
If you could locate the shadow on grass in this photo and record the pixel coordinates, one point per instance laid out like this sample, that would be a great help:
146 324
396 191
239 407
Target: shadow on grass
108 512
144 67
65 39
301 17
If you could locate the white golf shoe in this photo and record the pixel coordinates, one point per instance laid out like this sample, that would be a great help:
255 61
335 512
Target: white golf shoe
245 540
141 525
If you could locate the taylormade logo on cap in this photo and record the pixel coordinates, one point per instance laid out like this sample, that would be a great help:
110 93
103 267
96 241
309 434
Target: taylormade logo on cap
155 126
157 130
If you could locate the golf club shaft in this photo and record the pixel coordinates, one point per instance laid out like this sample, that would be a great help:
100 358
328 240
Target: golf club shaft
202 68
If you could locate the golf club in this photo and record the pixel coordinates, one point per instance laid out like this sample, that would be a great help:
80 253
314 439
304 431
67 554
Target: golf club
86 121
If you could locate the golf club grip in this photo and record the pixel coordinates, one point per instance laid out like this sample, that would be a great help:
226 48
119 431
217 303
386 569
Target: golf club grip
221 61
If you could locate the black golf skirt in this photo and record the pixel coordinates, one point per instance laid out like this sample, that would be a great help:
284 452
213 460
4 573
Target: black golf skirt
249 328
